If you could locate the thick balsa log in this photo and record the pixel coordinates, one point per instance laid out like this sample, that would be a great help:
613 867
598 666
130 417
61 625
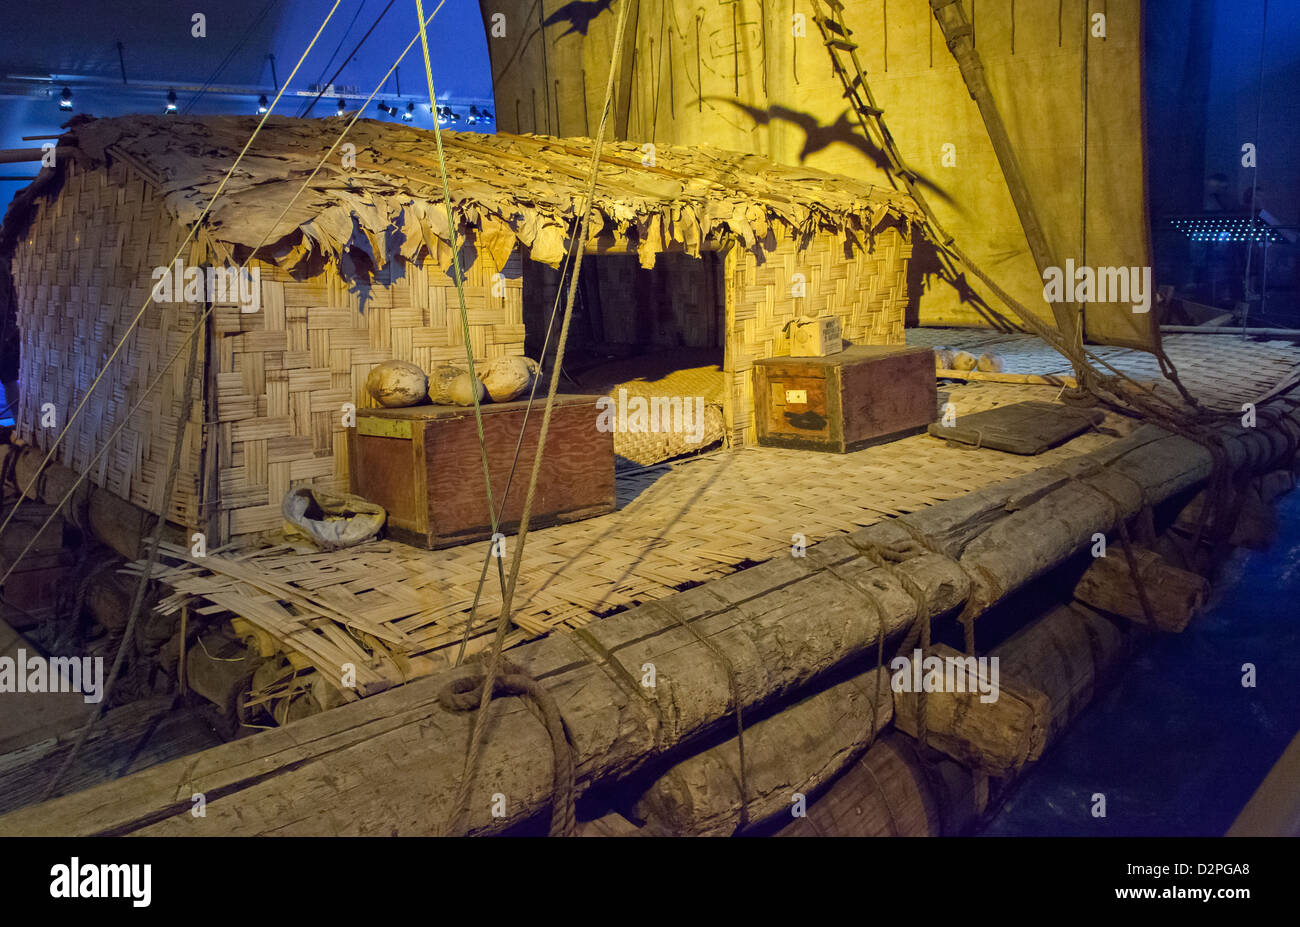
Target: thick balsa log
780 625
892 792
988 722
1065 655
613 825
787 755
1174 594
899 789
119 524
1044 676
1115 482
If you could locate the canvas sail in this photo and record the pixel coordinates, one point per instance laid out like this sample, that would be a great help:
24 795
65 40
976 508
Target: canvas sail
754 75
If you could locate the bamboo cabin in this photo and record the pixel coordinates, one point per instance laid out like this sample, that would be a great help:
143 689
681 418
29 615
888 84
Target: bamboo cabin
699 257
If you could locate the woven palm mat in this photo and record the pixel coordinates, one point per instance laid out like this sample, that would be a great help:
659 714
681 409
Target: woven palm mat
675 524
649 376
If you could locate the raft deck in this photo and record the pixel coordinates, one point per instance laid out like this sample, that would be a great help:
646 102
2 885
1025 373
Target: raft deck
397 612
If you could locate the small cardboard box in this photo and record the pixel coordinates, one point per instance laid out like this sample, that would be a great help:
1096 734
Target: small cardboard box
815 337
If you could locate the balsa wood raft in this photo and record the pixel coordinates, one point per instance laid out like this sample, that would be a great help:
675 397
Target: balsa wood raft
674 527
780 627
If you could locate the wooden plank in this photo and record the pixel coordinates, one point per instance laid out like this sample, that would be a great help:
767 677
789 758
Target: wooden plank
1030 427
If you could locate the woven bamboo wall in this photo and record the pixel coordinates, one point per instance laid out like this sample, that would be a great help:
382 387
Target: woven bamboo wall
81 274
280 377
867 291
285 373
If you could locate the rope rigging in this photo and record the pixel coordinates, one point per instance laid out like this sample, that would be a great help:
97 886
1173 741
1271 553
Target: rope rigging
500 677
1114 389
487 687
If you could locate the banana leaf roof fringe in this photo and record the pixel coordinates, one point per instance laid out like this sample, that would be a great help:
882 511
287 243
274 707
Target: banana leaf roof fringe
506 189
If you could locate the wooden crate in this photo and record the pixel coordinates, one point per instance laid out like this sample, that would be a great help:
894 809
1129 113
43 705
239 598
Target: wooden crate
861 396
423 464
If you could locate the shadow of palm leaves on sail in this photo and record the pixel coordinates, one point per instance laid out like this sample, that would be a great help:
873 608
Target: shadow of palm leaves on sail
579 14
819 136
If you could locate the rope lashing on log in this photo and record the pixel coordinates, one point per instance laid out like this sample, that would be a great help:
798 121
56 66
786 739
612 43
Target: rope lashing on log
1139 583
880 653
734 686
465 694
1126 544
885 556
628 684
979 577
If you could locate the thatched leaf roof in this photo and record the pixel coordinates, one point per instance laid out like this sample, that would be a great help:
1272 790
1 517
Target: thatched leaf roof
506 189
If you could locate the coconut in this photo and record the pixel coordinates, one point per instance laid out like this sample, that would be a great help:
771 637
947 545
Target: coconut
507 378
461 390
943 358
964 360
440 380
990 363
397 383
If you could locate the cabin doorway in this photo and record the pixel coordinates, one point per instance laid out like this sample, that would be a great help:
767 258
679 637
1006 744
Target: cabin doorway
650 339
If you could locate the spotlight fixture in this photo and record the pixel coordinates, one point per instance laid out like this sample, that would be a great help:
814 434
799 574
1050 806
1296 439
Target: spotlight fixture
410 112
262 103
342 106
65 99
473 116
171 101
390 110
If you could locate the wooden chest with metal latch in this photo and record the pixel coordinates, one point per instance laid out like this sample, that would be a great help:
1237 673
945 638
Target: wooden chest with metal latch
863 395
423 464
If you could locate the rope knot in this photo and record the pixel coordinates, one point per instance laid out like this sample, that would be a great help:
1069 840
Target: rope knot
465 693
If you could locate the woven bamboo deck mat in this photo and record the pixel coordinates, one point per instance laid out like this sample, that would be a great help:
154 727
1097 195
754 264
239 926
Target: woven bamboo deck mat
397 611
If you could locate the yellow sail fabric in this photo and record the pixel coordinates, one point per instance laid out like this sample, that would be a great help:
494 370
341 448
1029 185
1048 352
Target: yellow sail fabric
754 75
